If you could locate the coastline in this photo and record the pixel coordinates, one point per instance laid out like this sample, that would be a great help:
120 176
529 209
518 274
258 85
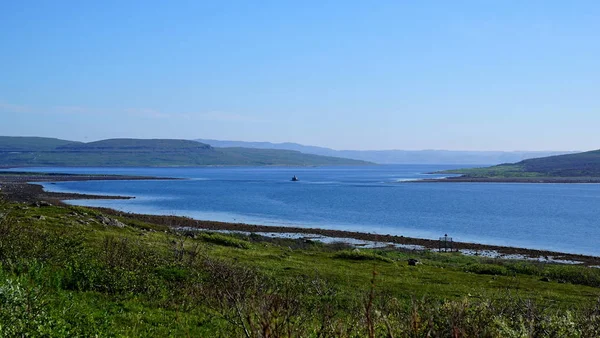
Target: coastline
19 188
462 179
429 244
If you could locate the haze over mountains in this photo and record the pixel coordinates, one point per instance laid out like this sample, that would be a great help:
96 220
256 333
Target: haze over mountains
38 151
398 156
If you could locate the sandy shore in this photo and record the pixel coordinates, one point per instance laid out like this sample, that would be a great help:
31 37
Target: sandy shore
17 188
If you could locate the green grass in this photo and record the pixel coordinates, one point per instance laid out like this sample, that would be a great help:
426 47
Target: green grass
361 256
500 171
584 165
224 240
69 275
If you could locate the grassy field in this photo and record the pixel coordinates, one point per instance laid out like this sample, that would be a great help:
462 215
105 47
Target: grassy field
71 271
504 170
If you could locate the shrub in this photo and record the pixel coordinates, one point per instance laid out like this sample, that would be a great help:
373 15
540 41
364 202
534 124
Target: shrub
574 275
172 273
23 312
487 269
224 240
361 256
525 268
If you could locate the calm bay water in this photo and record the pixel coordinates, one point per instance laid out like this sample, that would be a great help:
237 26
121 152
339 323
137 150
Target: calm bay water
562 217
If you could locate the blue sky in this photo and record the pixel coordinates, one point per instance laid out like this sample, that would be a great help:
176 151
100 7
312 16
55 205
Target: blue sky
468 75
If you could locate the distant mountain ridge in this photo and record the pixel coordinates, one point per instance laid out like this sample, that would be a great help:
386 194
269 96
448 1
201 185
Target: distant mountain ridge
135 145
399 156
36 151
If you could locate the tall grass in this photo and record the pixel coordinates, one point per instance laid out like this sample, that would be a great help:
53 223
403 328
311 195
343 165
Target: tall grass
52 277
361 256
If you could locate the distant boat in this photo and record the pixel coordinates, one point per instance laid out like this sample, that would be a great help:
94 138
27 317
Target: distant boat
295 179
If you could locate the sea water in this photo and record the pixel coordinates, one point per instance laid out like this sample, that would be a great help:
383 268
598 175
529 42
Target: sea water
381 199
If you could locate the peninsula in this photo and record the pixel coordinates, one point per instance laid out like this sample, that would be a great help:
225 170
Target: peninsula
571 168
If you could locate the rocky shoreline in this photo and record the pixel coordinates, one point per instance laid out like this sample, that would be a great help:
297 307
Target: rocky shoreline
17 188
178 221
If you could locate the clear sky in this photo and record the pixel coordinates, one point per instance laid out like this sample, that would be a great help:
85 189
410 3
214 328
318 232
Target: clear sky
468 75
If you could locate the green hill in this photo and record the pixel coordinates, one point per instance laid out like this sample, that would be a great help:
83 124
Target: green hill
586 164
10 143
33 151
135 145
274 156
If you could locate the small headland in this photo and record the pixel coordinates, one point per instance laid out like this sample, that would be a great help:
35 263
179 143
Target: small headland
570 168
467 179
18 186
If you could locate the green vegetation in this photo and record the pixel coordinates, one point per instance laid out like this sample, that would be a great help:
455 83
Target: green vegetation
503 170
64 273
361 256
225 240
17 144
26 151
580 165
135 145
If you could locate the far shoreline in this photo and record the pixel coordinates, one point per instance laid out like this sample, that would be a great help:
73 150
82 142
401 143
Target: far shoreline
19 188
531 180
22 187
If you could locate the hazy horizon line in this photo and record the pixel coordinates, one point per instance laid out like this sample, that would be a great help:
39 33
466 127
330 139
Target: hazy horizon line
300 144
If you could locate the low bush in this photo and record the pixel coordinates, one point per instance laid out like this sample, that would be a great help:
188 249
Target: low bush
63 281
525 268
23 310
573 274
361 256
487 269
224 240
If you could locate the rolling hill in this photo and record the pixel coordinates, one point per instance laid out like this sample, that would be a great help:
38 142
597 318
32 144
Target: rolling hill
33 151
10 143
585 164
